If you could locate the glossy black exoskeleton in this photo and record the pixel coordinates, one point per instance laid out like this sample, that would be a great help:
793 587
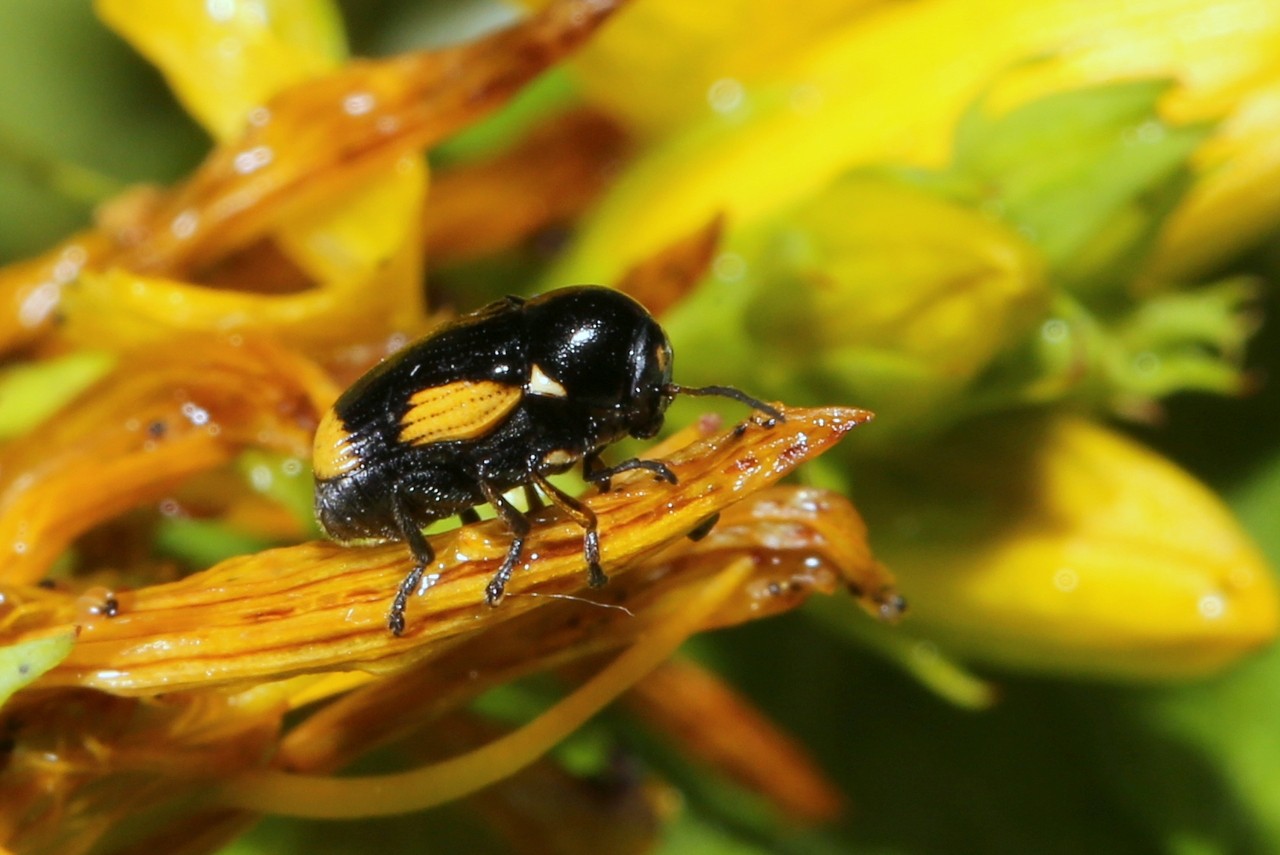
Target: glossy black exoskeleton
501 398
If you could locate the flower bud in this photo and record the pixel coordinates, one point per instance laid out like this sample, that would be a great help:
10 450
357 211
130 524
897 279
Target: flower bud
1057 546
874 291
1087 175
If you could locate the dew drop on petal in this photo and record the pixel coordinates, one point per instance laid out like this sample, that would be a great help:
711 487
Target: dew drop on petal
726 95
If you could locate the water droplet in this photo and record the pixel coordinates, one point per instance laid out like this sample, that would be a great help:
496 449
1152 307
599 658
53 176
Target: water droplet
729 266
726 95
261 478
1054 330
184 225
1212 606
251 160
198 416
358 103
806 99
1146 362
220 10
39 303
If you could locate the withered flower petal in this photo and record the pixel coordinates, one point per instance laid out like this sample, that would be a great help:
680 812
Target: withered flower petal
713 723
161 416
546 178
802 540
319 606
319 150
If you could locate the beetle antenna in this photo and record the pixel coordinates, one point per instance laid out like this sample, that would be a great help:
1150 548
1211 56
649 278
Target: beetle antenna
726 392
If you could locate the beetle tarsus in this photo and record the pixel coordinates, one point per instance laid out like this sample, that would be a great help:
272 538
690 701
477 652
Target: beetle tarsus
602 477
395 617
518 523
494 591
596 577
423 555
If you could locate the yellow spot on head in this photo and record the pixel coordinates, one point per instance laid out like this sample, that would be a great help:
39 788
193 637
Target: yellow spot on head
662 356
332 453
465 409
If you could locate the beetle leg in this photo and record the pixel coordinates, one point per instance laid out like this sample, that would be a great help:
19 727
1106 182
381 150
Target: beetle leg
519 525
603 476
532 498
591 465
423 555
702 529
469 516
584 517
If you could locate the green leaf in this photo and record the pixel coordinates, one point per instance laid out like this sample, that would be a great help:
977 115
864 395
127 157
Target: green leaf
22 664
1088 175
32 392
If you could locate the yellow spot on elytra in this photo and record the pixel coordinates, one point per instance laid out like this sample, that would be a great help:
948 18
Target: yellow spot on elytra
332 453
465 409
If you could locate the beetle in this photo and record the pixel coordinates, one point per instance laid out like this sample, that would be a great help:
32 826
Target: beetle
497 399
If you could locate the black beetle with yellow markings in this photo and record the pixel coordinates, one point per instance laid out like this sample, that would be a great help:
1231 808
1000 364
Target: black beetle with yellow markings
497 399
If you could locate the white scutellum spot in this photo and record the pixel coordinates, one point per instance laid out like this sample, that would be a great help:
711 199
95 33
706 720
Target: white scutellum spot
541 384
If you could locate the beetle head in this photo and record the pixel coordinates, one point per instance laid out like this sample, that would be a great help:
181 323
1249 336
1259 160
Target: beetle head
609 355
650 380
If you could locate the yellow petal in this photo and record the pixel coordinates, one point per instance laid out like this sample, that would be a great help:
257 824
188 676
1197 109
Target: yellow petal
889 87
224 58
666 62
1236 199
1064 547
887 268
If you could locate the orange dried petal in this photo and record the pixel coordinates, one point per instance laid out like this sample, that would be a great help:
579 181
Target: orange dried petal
664 279
315 142
330 132
802 540
548 177
321 606
160 417
712 722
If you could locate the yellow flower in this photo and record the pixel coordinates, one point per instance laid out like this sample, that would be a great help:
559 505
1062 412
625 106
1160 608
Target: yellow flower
662 64
950 208
168 692
873 291
225 59
890 85
1055 545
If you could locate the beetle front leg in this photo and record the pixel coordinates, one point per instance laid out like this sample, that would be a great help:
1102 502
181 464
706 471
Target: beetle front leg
602 476
518 523
584 517
423 555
